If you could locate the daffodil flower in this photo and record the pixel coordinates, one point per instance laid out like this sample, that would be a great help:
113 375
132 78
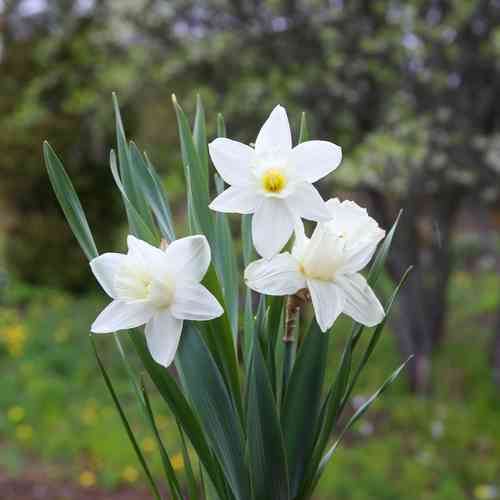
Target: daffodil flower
328 265
158 288
273 181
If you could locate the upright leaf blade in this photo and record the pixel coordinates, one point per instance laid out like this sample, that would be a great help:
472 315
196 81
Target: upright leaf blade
125 423
129 173
302 404
69 202
196 176
216 409
136 223
200 134
265 444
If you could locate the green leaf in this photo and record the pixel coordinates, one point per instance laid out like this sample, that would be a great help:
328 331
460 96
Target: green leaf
129 174
160 204
125 423
375 336
360 412
221 126
173 482
191 480
215 407
69 202
137 225
265 443
246 236
200 134
176 401
220 341
227 265
379 261
152 191
304 131
196 177
302 404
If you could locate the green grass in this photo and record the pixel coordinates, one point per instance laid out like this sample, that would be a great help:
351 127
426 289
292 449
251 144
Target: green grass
54 408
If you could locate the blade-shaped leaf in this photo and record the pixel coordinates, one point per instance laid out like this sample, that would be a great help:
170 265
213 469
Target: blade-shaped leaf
152 191
302 403
128 172
160 204
69 202
196 176
137 225
200 134
265 443
176 401
227 265
125 423
221 126
173 482
188 467
304 131
361 411
216 409
379 261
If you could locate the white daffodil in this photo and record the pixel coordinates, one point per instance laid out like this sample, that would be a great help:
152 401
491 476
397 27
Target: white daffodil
158 288
273 181
328 265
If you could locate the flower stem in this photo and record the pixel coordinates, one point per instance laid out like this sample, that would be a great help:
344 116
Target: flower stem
293 305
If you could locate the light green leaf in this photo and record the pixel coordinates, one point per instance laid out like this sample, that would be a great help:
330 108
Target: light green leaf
137 225
196 177
69 202
125 423
265 442
215 407
302 404
129 173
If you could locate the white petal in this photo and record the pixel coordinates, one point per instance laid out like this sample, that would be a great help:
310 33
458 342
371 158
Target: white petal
301 240
189 257
163 332
275 136
312 160
279 275
305 202
233 160
361 304
146 256
272 226
236 199
327 302
105 268
359 258
121 315
194 301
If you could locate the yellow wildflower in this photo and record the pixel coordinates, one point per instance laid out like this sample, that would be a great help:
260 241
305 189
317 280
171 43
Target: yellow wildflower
87 479
148 445
177 462
130 474
15 338
15 414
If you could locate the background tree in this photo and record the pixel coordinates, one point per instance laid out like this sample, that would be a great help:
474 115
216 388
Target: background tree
58 68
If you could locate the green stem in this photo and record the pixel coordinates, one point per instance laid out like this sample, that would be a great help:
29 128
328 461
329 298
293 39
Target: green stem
291 317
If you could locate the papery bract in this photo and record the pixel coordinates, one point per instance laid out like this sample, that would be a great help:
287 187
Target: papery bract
328 265
158 288
273 181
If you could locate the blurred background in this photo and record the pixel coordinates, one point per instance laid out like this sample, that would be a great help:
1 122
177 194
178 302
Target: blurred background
409 89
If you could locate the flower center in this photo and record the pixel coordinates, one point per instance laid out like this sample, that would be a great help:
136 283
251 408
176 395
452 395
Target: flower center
273 181
161 293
